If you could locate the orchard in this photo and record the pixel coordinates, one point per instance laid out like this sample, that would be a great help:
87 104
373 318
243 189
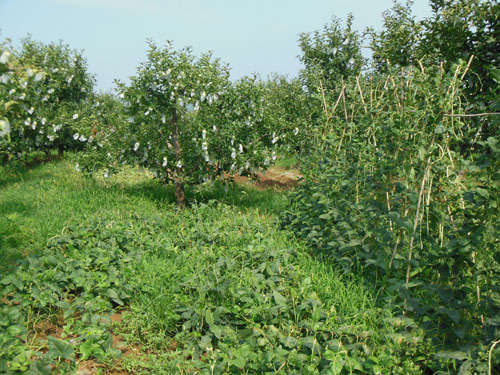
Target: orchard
383 258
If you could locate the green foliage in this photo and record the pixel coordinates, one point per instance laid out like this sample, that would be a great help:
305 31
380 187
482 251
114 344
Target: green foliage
42 90
83 274
291 113
187 123
394 197
398 42
330 54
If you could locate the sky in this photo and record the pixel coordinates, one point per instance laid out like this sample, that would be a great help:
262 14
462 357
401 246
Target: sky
252 36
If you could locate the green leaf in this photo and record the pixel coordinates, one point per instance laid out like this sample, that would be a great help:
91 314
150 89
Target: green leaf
111 293
461 356
209 318
239 362
60 349
278 298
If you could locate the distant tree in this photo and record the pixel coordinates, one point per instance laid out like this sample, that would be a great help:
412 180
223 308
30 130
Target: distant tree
330 55
399 41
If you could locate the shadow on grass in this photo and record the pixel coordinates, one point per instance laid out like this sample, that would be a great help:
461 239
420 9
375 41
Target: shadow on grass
267 201
16 174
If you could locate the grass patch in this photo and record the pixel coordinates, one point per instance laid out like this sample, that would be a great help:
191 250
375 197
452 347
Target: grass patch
216 288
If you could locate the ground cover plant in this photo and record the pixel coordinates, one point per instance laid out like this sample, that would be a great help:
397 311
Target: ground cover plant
213 288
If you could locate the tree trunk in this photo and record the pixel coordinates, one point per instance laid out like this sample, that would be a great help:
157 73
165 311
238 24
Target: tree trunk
179 171
179 193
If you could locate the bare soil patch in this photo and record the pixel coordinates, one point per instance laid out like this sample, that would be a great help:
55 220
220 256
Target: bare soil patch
274 178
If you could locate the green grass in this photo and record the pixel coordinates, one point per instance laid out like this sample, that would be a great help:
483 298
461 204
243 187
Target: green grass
37 203
223 256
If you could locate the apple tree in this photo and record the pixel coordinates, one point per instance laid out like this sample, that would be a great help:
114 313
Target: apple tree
46 91
186 122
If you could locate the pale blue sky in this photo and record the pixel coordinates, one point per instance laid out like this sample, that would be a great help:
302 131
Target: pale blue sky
258 36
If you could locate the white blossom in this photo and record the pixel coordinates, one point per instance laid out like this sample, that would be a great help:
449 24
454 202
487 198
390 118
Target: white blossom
203 134
273 156
31 110
165 162
136 146
334 51
203 96
44 120
247 164
233 154
77 167
214 128
146 113
75 116
54 70
4 59
275 139
121 96
5 78
204 146
347 41
179 164
207 158
12 91
197 106
241 148
22 96
295 131
82 138
76 136
50 91
106 174
351 61
38 76
163 119
4 128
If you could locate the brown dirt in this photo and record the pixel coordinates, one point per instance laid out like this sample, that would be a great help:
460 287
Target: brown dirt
43 329
274 178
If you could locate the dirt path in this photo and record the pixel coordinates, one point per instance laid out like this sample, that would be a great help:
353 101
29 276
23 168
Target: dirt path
275 177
